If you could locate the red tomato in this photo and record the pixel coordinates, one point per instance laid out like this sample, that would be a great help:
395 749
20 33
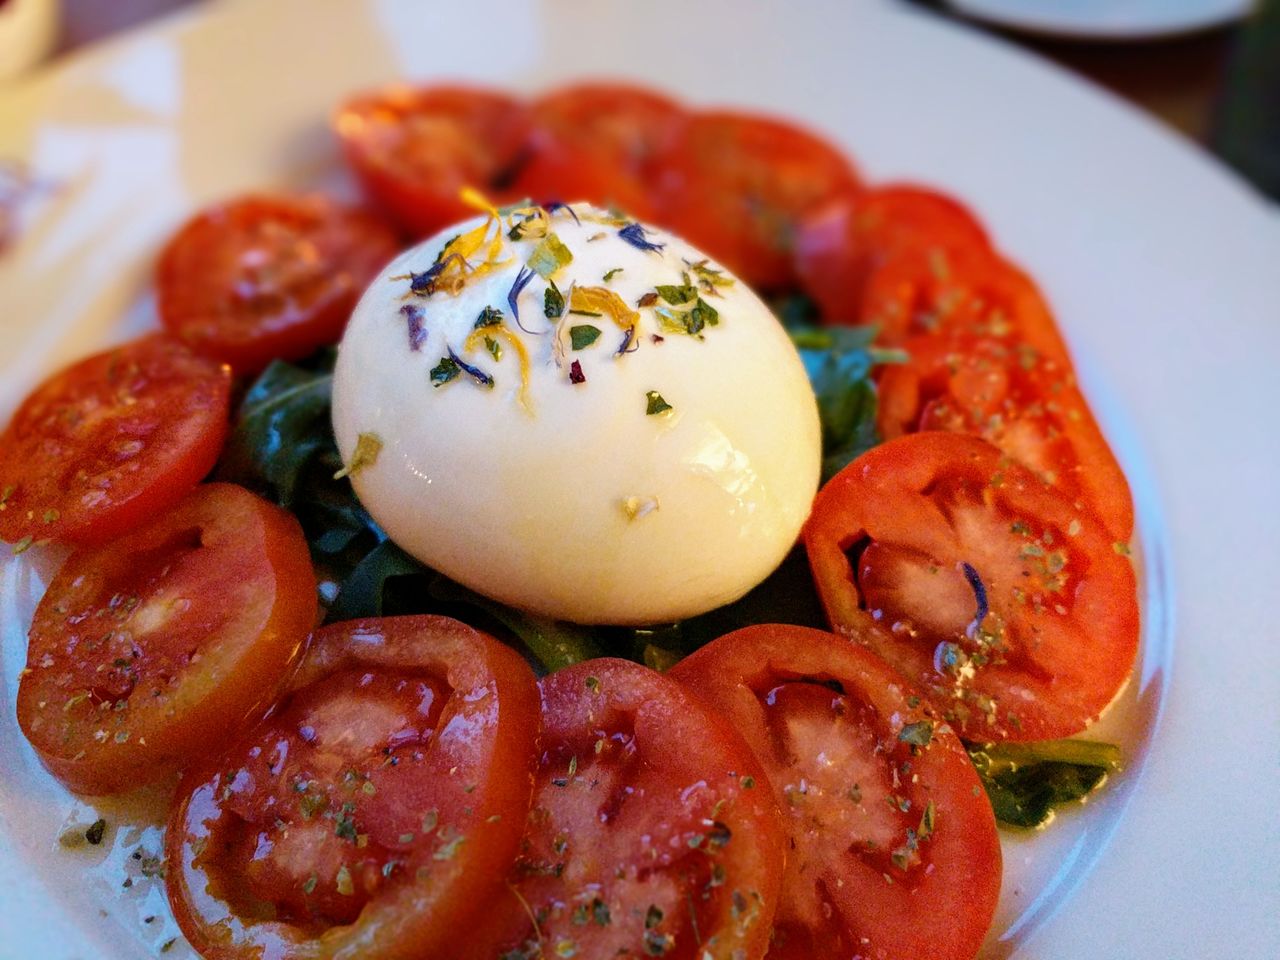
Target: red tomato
738 187
414 149
110 441
893 852
146 649
652 832
841 244
374 813
597 141
1008 605
265 278
959 292
1026 404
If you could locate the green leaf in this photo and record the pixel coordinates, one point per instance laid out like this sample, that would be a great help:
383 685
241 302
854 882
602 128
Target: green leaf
1026 781
583 335
655 404
549 256
677 295
839 361
553 643
282 424
363 592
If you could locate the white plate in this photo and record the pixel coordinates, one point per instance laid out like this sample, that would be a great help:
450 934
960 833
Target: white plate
1162 266
1106 19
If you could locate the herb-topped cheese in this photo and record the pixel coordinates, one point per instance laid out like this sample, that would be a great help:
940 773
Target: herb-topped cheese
580 416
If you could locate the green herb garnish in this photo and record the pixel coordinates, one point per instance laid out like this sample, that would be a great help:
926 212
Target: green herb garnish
583 335
549 256
655 403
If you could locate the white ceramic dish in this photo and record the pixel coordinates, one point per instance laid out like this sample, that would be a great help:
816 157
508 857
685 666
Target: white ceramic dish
1106 19
1162 267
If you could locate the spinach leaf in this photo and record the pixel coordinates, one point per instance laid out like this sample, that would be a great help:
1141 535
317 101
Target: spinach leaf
1026 781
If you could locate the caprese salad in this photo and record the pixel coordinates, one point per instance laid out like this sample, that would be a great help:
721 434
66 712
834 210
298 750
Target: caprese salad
689 550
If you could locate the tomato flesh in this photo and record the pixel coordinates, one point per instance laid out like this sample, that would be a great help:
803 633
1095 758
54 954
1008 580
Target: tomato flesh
651 832
893 850
377 809
414 149
143 649
1049 633
103 445
597 142
265 278
738 186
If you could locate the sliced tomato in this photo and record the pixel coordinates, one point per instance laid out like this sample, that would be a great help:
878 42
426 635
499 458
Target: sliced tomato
110 441
1026 404
893 850
264 278
842 243
652 832
597 142
414 149
146 649
377 810
738 186
1012 608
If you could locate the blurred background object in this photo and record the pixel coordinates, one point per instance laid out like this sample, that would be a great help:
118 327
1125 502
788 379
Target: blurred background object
1207 68
28 31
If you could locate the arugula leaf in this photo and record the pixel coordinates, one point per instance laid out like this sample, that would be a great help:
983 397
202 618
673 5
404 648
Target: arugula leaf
1026 781
282 424
839 361
554 644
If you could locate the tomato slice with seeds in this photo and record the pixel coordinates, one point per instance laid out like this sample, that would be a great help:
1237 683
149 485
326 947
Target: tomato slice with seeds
1007 604
145 649
103 445
375 813
1026 404
893 845
414 149
738 186
843 242
263 278
597 142
651 833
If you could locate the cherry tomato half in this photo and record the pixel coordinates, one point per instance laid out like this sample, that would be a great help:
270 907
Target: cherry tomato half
1009 606
842 243
652 832
110 441
147 649
375 813
738 187
893 850
414 149
596 142
264 278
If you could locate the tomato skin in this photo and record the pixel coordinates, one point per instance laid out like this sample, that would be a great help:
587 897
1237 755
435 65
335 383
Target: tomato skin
438 793
738 186
1026 404
1061 631
827 721
105 443
144 649
261 278
414 149
596 142
624 839
841 244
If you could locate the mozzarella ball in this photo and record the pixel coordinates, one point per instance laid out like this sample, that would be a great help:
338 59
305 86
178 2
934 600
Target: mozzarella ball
636 442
